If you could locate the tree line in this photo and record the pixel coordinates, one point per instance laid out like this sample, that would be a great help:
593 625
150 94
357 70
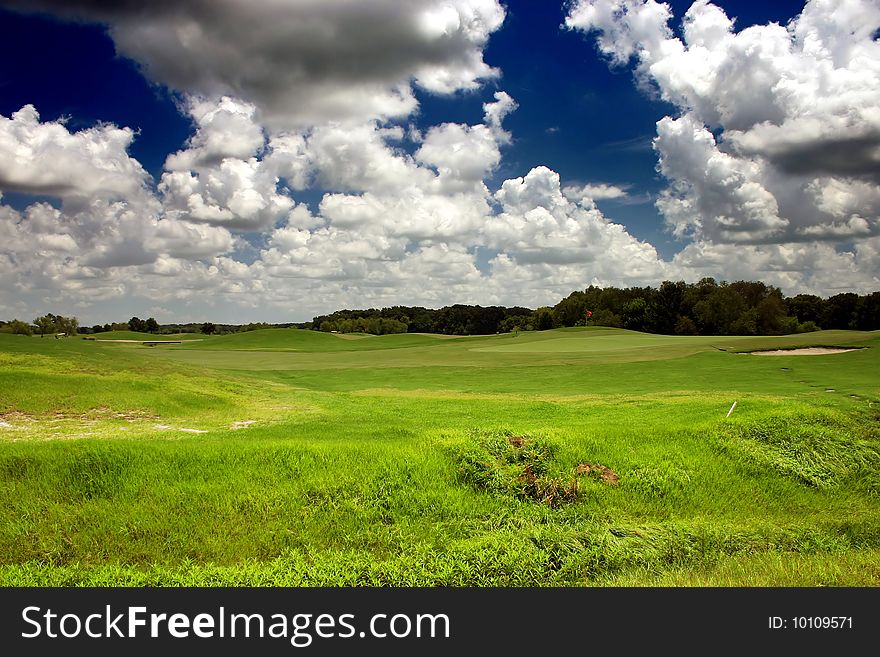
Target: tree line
674 307
51 324
458 319
47 324
711 308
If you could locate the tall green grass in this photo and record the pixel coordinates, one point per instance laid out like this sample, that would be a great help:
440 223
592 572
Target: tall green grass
456 474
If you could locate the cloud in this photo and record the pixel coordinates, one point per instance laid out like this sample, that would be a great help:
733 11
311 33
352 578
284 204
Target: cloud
105 216
390 216
356 158
778 137
395 223
327 254
625 28
224 129
182 239
714 195
594 192
437 193
315 100
495 113
237 194
306 62
461 154
48 159
219 178
812 268
34 232
855 156
539 225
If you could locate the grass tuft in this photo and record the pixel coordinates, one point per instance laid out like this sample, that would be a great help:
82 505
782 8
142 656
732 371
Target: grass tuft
524 466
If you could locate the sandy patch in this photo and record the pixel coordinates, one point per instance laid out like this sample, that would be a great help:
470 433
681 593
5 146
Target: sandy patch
166 427
242 424
805 351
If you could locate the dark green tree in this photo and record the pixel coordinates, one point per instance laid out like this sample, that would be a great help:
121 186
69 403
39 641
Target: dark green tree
717 312
686 326
68 325
543 319
45 324
571 310
668 305
868 312
635 315
604 317
839 311
772 318
805 307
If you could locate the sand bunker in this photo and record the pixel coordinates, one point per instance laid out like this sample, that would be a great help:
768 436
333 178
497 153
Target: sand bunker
805 351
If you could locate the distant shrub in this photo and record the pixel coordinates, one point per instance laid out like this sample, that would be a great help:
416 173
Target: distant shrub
18 327
807 327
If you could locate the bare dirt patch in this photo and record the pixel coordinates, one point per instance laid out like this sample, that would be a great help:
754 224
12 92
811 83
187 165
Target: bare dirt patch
804 351
168 427
55 425
602 472
107 413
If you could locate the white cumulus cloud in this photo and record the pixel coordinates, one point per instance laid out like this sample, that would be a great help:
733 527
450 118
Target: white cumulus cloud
777 140
46 158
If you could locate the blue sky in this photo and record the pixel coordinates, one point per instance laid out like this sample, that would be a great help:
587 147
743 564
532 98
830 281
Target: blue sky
284 200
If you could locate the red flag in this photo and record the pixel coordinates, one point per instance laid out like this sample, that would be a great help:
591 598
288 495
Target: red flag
589 314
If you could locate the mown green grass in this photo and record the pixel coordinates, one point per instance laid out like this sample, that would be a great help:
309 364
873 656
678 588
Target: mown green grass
312 341
136 335
400 460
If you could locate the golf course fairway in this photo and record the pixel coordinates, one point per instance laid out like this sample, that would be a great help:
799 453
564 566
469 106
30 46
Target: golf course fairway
570 457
